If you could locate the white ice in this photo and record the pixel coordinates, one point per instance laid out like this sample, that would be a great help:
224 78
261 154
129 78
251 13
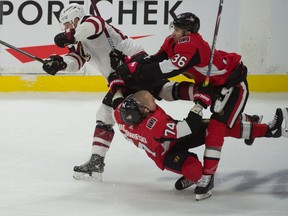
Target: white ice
43 135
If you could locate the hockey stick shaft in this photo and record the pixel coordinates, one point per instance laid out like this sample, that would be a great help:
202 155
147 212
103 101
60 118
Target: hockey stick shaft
207 79
94 5
21 51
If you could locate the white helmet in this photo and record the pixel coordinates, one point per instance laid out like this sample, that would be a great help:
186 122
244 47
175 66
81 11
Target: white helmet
69 13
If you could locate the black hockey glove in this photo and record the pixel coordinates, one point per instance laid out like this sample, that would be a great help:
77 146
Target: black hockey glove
129 71
115 83
204 95
116 57
65 38
53 64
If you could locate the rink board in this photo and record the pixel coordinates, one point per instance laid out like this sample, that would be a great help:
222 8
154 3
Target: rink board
46 83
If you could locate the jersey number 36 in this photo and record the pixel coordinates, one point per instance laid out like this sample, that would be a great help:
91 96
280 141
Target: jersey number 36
179 60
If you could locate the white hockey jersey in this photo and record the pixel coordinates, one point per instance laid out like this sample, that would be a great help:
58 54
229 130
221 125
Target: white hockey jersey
93 46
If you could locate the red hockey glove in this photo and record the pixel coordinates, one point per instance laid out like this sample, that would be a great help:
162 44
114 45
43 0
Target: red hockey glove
204 95
53 64
65 38
131 70
115 83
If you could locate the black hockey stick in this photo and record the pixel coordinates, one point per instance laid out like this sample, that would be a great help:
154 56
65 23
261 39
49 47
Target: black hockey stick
94 5
207 79
22 52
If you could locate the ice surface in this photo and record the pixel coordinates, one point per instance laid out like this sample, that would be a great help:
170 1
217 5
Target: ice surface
43 135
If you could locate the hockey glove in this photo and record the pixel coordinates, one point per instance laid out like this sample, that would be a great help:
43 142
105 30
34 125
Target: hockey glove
128 71
204 95
117 57
53 64
65 38
115 83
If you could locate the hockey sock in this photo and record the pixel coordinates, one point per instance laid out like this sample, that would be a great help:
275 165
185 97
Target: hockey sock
192 169
246 130
214 141
103 136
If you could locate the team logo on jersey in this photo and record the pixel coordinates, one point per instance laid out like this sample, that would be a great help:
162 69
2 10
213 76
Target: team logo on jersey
184 39
151 122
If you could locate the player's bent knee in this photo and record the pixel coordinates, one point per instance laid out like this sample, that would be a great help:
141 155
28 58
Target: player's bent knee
192 169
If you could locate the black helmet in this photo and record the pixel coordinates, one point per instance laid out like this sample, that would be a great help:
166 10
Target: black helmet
187 21
130 112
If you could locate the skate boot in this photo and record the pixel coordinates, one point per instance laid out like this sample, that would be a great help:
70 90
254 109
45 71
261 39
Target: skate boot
92 169
204 187
256 119
275 126
182 183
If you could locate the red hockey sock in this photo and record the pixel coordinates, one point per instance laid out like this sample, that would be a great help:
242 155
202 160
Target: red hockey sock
214 141
192 169
259 130
253 130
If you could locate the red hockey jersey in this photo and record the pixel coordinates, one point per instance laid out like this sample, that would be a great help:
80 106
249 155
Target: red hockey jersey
192 54
148 133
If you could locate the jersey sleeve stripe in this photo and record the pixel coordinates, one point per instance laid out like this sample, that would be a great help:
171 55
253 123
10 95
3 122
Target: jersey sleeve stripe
98 24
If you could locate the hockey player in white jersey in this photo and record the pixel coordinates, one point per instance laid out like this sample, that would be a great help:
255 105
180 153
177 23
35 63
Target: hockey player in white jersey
85 38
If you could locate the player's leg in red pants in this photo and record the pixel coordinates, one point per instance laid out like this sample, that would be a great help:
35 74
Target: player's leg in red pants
217 127
246 129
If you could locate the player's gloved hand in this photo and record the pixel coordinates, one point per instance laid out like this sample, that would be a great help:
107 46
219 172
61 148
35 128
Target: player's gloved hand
115 83
65 38
204 95
128 71
53 64
117 57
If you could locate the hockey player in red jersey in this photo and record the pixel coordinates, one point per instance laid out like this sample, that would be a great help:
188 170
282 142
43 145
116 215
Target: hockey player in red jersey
186 52
167 141
88 44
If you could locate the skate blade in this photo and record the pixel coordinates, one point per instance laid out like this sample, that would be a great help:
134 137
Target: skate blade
285 116
203 196
260 119
84 176
284 132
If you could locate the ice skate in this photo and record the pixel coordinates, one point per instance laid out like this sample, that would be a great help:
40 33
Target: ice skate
257 119
204 187
275 126
182 183
91 170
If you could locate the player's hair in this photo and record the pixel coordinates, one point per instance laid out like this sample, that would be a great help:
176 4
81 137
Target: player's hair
71 12
187 21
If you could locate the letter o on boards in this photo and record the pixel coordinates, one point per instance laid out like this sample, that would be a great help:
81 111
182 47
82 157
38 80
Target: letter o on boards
39 12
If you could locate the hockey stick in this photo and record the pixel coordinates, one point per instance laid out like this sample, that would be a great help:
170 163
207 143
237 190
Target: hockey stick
22 52
207 79
94 5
